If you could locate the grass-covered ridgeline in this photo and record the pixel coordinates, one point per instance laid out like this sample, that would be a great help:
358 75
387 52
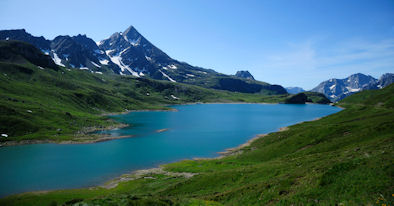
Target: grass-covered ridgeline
42 101
39 103
342 159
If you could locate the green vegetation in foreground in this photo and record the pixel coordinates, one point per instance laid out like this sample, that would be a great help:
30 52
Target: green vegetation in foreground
342 159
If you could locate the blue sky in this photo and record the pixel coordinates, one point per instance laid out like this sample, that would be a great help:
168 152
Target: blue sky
292 43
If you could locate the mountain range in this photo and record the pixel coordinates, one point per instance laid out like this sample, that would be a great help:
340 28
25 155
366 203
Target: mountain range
130 53
337 89
294 90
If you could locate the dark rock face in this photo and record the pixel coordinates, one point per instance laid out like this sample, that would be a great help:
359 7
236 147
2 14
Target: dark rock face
294 90
76 52
129 53
22 35
80 52
244 74
300 98
136 56
384 81
17 51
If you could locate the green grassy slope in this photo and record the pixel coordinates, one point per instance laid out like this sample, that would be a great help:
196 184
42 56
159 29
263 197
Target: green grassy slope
41 101
57 104
342 159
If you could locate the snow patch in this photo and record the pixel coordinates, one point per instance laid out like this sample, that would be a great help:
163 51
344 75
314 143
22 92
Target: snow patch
171 66
40 67
135 42
165 75
174 97
148 58
118 60
98 72
96 65
57 60
332 87
190 75
352 89
107 52
104 61
141 74
4 135
8 38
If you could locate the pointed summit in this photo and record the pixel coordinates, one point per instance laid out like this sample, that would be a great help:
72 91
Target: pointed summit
132 35
131 29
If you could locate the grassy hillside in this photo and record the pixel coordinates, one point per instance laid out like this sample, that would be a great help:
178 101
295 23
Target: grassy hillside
343 159
41 101
62 104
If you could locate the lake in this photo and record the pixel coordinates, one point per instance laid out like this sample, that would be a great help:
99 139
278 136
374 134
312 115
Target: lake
199 130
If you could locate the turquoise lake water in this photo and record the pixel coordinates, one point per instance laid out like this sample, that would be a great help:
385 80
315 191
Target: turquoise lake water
199 130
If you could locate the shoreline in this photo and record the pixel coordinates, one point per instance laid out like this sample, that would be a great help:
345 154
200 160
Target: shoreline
81 139
137 174
224 103
141 173
102 138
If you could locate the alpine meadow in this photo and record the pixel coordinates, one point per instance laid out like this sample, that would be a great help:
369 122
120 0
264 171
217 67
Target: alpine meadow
196 103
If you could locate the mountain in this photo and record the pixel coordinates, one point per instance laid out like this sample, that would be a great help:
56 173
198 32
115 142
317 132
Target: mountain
21 52
22 35
337 89
34 91
384 81
129 53
294 90
244 74
74 52
136 56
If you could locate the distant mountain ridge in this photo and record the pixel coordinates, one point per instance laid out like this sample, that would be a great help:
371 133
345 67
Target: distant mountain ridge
337 89
129 53
294 90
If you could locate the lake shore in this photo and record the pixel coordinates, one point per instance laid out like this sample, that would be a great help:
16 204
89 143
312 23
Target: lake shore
84 138
96 138
149 173
87 138
137 174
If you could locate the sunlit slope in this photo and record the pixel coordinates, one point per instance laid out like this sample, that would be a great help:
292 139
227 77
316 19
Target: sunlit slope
345 158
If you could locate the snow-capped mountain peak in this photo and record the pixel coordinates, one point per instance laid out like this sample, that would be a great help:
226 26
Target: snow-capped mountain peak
337 89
